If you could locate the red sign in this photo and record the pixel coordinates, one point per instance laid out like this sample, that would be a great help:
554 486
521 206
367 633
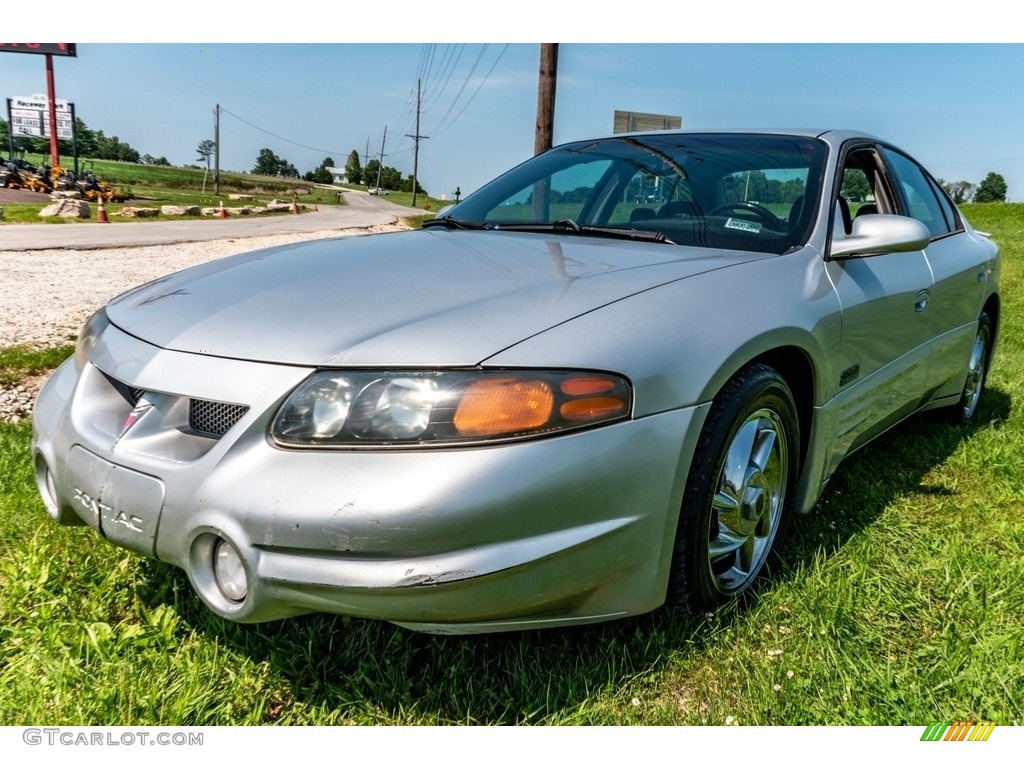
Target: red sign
56 49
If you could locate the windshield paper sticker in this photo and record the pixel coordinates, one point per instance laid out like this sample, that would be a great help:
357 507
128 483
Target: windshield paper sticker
746 226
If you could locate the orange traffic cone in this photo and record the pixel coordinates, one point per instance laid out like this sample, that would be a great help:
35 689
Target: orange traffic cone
223 214
295 203
101 213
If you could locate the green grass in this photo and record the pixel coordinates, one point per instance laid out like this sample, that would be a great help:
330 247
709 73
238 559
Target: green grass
18 362
899 602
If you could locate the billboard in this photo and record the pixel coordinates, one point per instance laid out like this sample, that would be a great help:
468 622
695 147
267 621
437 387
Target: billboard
54 49
628 122
30 116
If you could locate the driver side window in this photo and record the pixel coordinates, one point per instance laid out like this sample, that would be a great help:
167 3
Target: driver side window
862 191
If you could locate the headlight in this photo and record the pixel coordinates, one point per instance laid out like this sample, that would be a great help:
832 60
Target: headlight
88 335
346 409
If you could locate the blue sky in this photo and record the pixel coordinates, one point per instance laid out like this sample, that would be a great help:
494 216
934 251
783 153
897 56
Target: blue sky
957 107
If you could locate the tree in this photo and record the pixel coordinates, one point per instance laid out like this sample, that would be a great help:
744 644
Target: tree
353 168
960 191
205 150
391 178
407 186
112 148
370 173
320 174
269 164
855 185
991 190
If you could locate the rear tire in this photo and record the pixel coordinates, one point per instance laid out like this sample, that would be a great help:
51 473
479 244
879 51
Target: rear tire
965 412
739 491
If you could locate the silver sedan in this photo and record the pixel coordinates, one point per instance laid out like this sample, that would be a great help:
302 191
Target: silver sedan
603 381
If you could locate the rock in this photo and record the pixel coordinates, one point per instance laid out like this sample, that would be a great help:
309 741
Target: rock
130 212
65 194
240 197
17 401
179 210
67 209
281 205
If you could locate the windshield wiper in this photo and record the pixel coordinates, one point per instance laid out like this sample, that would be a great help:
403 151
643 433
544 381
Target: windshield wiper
568 225
450 223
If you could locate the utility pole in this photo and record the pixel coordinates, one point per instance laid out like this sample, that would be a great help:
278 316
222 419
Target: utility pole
416 145
216 150
546 97
51 106
545 122
380 163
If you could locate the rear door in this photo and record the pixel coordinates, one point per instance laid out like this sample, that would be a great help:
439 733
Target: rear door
959 270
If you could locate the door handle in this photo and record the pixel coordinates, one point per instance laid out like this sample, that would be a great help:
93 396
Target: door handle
921 301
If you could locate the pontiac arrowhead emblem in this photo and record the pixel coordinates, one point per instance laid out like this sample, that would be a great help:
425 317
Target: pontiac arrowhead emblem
140 410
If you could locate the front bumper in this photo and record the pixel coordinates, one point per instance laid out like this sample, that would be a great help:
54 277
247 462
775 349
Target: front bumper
556 531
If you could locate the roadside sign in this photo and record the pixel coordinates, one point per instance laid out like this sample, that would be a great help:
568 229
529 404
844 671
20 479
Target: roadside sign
30 116
54 49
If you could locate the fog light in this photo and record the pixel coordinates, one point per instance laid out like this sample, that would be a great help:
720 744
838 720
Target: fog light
229 571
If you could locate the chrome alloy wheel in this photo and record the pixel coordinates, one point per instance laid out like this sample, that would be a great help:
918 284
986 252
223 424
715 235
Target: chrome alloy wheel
748 501
976 372
738 491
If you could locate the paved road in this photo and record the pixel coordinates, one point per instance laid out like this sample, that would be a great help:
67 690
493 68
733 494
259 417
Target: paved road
363 210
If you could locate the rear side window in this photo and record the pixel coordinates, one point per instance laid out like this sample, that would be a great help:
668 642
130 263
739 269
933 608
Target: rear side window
922 198
946 204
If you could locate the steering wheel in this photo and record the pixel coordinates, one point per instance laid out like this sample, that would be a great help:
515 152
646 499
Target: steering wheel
754 210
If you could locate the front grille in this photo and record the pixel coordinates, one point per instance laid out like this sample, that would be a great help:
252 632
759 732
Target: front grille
132 395
205 417
209 417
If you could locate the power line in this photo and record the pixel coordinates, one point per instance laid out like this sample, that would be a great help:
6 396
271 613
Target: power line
282 138
465 82
451 62
441 129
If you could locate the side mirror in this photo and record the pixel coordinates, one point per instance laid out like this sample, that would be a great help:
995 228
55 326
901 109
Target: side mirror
444 210
879 233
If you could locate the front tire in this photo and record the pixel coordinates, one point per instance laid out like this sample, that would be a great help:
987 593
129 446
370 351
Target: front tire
739 491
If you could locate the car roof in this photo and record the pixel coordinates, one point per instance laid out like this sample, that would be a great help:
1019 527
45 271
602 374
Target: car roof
832 136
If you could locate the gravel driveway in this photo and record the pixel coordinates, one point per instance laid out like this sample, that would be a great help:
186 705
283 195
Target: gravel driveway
46 295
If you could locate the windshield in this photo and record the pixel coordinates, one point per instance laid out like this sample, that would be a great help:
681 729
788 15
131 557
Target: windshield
735 191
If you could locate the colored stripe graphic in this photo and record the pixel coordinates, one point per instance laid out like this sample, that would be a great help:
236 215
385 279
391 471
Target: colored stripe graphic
982 731
934 731
959 730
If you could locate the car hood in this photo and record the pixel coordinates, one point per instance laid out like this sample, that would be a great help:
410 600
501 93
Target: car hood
421 298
